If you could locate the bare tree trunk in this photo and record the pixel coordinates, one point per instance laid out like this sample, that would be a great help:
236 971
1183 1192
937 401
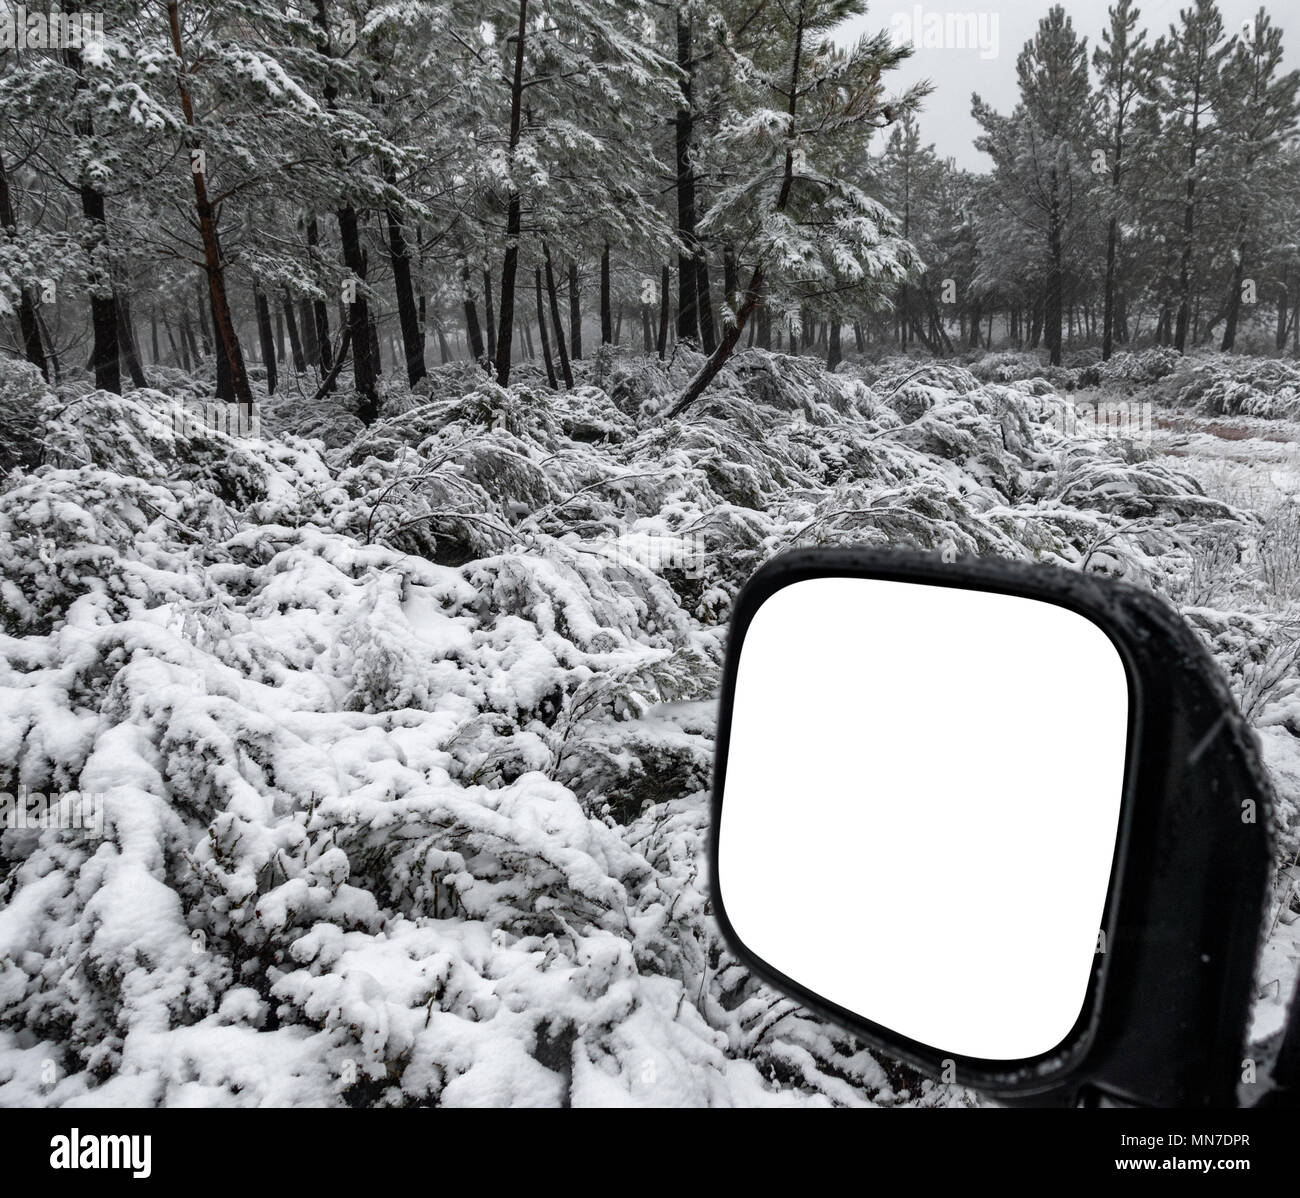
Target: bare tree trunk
546 341
575 314
473 334
489 319
514 211
834 355
126 341
555 319
407 317
27 324
295 340
688 322
227 339
1234 300
665 282
605 333
104 358
267 339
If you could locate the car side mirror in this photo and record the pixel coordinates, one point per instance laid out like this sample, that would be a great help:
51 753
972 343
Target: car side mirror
1002 822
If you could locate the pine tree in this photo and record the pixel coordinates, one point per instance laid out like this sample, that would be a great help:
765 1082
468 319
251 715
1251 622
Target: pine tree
1040 153
1259 112
1188 85
1125 65
814 232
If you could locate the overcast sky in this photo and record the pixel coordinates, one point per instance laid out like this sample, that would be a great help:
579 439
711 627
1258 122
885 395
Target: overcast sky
1001 28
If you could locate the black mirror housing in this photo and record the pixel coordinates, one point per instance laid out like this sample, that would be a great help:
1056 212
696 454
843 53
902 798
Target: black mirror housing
1163 1021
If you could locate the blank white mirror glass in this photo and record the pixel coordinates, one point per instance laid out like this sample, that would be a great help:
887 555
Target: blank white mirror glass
920 807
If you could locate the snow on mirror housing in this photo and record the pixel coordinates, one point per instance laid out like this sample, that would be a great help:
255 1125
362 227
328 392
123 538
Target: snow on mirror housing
990 818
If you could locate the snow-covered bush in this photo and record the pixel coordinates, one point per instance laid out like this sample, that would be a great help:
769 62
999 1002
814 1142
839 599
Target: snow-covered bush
1229 385
403 736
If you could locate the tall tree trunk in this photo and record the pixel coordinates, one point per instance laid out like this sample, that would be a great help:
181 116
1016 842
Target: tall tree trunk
834 353
365 372
708 332
575 314
514 210
473 333
295 339
179 355
489 318
189 343
320 322
407 317
1234 300
104 356
1189 230
730 282
555 319
224 326
606 334
647 334
27 325
546 341
688 287
126 342
1108 316
665 282
1054 304
266 336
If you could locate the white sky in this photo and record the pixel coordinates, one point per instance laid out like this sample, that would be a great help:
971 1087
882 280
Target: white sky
957 72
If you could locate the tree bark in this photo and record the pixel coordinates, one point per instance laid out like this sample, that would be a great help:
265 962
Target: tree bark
1234 301
130 351
473 333
834 353
407 316
575 314
104 357
555 319
514 211
224 326
266 337
606 334
688 287
364 366
665 282
489 319
27 325
546 341
295 339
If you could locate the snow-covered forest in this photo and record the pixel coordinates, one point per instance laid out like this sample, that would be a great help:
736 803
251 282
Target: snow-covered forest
394 397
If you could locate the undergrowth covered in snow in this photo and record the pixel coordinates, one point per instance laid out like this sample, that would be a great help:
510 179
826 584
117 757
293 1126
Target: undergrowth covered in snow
403 734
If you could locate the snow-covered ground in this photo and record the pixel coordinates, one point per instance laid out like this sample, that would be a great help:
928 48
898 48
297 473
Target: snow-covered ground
402 735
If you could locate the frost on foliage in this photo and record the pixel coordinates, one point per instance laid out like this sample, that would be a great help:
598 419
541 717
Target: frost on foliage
404 736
